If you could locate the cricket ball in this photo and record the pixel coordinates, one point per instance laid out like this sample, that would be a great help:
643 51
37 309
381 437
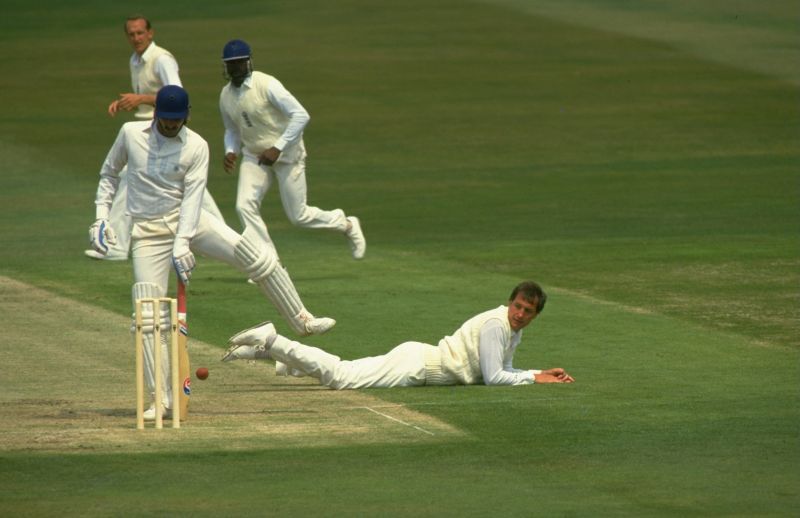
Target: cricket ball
201 373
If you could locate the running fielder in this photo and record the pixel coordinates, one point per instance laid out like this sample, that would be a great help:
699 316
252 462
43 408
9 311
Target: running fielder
265 123
151 68
168 168
481 351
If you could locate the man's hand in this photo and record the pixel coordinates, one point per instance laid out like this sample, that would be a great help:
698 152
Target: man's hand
113 108
183 259
229 162
101 235
269 156
128 102
557 375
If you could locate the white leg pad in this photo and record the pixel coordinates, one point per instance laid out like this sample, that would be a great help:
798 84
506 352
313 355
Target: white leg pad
257 259
263 267
145 290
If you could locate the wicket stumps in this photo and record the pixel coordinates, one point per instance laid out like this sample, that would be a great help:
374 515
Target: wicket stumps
156 304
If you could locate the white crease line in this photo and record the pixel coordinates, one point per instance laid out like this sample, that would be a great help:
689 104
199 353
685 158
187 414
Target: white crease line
471 403
397 420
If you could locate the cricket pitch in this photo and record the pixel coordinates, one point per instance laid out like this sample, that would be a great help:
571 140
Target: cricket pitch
67 385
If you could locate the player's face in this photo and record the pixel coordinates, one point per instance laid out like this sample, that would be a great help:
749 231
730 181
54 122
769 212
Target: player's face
520 312
238 70
169 127
138 35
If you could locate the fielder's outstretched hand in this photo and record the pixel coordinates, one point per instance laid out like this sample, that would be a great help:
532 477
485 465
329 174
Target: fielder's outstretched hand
557 375
101 235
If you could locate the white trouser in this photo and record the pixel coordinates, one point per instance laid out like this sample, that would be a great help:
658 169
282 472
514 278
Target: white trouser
151 251
403 366
121 222
152 242
254 182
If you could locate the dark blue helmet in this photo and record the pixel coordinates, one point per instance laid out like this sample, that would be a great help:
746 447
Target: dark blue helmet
235 49
172 102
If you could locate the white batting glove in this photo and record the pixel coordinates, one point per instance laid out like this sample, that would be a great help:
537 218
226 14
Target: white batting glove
183 259
101 235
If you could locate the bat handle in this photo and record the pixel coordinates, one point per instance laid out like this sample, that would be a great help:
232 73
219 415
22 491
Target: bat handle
181 297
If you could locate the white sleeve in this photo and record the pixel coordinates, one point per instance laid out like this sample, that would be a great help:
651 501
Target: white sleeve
193 191
166 69
109 176
491 353
279 96
509 367
231 140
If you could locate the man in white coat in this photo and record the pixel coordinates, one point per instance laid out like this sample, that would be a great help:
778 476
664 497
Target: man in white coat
481 351
167 170
265 123
151 68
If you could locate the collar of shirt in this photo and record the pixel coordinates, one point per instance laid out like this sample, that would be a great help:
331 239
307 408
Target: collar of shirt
152 128
137 59
248 82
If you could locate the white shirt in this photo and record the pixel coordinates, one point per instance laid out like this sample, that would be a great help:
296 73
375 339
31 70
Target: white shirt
496 356
280 98
155 68
165 67
164 174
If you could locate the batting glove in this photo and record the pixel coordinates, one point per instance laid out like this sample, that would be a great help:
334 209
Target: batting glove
183 259
101 235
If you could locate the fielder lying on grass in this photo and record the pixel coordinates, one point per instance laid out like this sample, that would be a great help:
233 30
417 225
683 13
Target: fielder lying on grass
481 351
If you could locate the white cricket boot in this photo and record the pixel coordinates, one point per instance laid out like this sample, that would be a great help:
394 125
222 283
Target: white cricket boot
358 244
245 352
150 413
252 343
94 254
259 334
317 326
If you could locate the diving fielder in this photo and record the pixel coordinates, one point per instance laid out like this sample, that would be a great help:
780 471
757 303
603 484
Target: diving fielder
167 171
265 123
151 68
481 351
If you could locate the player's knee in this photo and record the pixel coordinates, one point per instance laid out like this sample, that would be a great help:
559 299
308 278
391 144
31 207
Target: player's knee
299 217
246 208
256 258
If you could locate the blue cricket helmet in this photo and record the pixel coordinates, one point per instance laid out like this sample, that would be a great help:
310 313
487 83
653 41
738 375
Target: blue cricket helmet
172 102
235 49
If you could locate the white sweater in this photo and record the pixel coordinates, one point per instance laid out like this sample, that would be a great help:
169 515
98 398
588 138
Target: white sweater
480 351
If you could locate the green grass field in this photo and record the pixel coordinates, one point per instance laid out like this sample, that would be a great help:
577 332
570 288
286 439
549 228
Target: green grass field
638 159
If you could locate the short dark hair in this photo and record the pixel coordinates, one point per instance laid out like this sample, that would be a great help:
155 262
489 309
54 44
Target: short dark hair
136 17
532 293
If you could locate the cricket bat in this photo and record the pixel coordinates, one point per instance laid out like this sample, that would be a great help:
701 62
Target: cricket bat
184 369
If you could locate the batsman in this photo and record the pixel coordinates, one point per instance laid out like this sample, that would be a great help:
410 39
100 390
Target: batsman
167 167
